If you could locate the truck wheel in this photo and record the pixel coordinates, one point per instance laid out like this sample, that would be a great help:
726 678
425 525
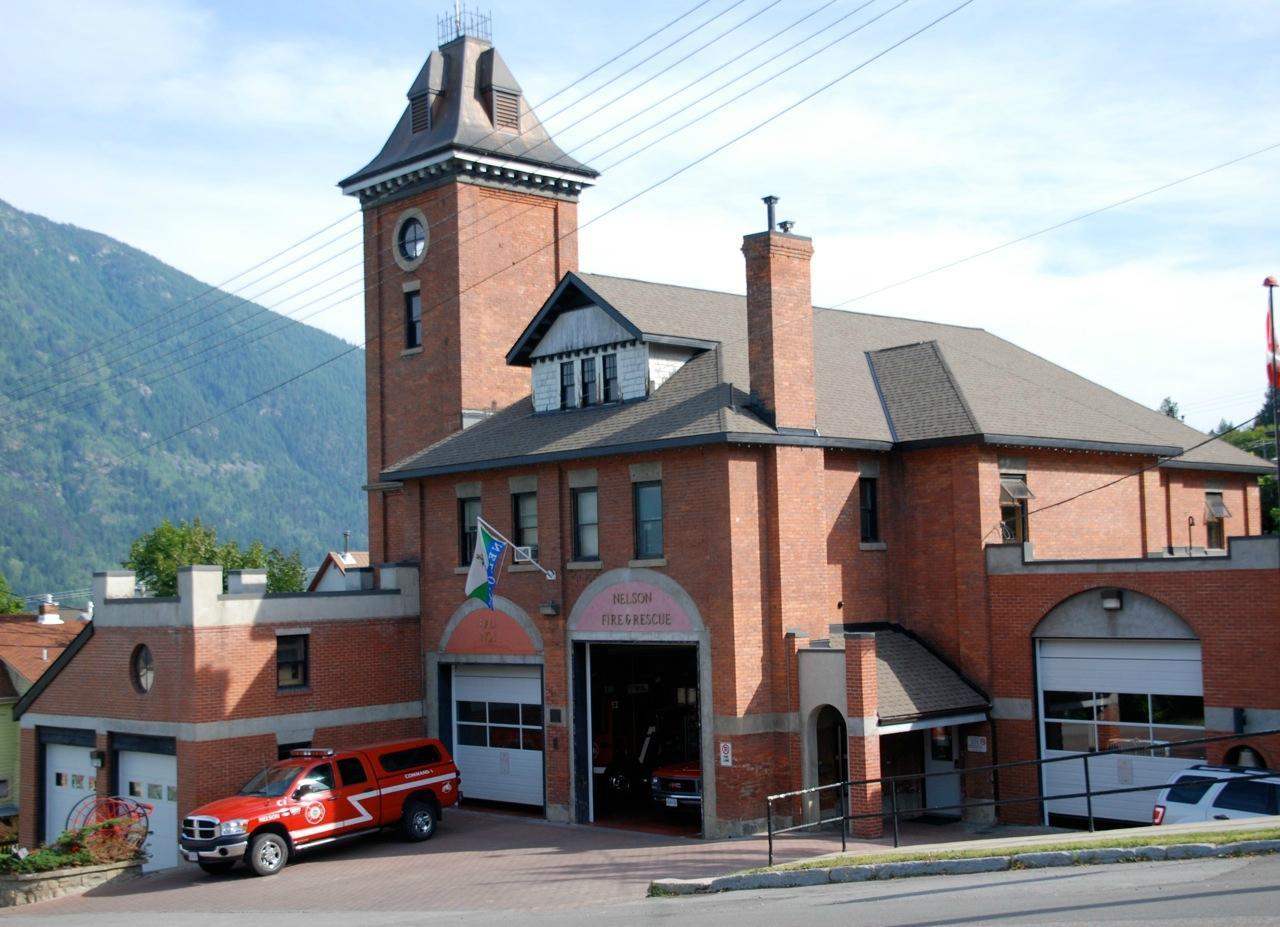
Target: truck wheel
268 853
217 866
418 821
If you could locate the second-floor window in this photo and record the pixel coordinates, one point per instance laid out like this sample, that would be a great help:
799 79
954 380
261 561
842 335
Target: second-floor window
413 320
1215 510
468 512
586 524
588 381
868 509
291 661
648 516
1013 507
610 364
524 519
566 385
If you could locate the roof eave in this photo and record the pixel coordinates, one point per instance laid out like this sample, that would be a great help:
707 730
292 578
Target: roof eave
48 676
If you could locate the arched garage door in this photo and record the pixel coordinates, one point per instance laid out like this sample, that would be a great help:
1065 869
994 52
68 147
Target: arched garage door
1104 692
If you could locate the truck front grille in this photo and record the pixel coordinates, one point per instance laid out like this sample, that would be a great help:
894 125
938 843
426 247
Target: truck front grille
200 828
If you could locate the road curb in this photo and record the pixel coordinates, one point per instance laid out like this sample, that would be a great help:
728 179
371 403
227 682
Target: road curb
902 869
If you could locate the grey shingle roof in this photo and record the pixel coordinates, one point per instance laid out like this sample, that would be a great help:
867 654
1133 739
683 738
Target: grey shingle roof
938 381
460 118
912 682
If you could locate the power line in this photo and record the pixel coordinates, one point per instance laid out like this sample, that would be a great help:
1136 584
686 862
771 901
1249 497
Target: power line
264 262
120 375
1063 224
293 379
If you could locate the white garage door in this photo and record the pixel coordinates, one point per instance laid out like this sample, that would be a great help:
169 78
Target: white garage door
69 776
152 779
1104 694
497 732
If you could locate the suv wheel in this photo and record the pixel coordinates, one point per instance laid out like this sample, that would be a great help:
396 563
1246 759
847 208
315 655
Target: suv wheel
267 854
418 821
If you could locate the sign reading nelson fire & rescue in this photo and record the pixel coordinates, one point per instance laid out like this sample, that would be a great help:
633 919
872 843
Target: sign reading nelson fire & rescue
633 607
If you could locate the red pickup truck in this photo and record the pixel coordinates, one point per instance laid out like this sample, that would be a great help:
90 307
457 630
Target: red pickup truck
317 796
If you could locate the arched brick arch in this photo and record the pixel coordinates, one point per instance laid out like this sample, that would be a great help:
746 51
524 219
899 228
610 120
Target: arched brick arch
1139 616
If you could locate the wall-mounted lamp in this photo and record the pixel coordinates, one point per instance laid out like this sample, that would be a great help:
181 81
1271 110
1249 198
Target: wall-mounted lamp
97 758
1112 600
549 608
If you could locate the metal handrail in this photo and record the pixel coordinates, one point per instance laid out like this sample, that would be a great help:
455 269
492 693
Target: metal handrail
895 813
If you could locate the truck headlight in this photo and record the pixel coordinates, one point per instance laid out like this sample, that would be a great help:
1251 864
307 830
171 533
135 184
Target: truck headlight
231 828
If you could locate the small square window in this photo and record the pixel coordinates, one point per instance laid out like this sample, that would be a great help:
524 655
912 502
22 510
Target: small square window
291 661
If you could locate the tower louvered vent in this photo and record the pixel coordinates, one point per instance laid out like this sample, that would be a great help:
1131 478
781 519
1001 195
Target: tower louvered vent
420 113
506 110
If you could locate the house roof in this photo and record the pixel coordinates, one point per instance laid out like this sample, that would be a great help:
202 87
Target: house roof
912 682
881 382
351 560
28 648
457 75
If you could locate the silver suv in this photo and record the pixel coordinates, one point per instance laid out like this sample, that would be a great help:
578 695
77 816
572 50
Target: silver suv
1217 793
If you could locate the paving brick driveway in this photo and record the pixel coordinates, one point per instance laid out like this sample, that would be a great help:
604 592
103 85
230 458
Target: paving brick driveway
477 861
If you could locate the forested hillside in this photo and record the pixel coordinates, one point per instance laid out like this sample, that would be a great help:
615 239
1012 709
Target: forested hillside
104 350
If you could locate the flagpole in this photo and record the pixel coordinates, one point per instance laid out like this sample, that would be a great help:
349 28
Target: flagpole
1273 378
494 532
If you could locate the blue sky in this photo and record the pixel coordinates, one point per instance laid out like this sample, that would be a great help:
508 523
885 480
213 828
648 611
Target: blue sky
212 135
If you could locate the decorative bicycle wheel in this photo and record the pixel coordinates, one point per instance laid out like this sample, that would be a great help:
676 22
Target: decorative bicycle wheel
116 819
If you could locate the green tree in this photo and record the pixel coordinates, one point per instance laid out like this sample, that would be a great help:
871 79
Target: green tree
10 604
157 555
1170 408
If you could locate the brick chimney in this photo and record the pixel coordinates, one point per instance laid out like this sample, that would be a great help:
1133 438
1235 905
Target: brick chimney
780 323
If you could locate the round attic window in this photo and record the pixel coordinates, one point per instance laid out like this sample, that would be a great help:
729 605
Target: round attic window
412 237
142 668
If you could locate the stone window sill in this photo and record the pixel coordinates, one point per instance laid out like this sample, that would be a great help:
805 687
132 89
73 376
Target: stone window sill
409 352
523 568
293 690
462 570
655 562
873 545
584 565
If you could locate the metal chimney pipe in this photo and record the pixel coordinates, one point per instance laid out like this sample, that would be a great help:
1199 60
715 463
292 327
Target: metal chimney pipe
346 541
770 202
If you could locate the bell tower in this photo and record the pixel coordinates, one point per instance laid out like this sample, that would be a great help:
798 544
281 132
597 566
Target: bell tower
470 220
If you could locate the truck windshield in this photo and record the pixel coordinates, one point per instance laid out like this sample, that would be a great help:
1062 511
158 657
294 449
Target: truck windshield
272 782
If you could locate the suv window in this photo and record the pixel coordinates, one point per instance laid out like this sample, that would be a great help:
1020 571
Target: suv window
320 779
1249 795
1188 790
397 760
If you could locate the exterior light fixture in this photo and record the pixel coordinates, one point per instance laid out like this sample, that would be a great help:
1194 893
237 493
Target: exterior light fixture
551 608
97 758
1112 600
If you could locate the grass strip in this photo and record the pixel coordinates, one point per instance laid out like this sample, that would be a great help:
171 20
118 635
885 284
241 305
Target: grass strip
1215 837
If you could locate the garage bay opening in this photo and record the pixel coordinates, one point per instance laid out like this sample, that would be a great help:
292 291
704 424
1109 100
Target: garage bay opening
639 704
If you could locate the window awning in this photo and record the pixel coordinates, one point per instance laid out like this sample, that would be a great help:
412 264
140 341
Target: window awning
1013 489
1215 508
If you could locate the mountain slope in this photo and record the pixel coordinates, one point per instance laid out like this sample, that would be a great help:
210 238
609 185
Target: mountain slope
74 490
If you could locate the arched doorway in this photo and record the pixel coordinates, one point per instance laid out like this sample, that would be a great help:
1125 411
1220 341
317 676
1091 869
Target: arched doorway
832 755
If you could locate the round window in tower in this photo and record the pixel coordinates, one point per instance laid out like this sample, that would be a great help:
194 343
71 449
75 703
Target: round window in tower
413 241
143 668
412 237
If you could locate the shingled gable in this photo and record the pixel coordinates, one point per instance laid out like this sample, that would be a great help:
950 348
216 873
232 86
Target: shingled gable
939 384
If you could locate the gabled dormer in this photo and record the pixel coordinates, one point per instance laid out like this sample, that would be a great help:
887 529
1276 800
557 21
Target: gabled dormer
583 352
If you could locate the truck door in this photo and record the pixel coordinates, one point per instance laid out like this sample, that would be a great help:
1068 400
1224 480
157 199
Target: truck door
317 794
357 804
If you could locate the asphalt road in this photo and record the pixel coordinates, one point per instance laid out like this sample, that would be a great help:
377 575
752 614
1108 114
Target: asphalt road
1207 893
